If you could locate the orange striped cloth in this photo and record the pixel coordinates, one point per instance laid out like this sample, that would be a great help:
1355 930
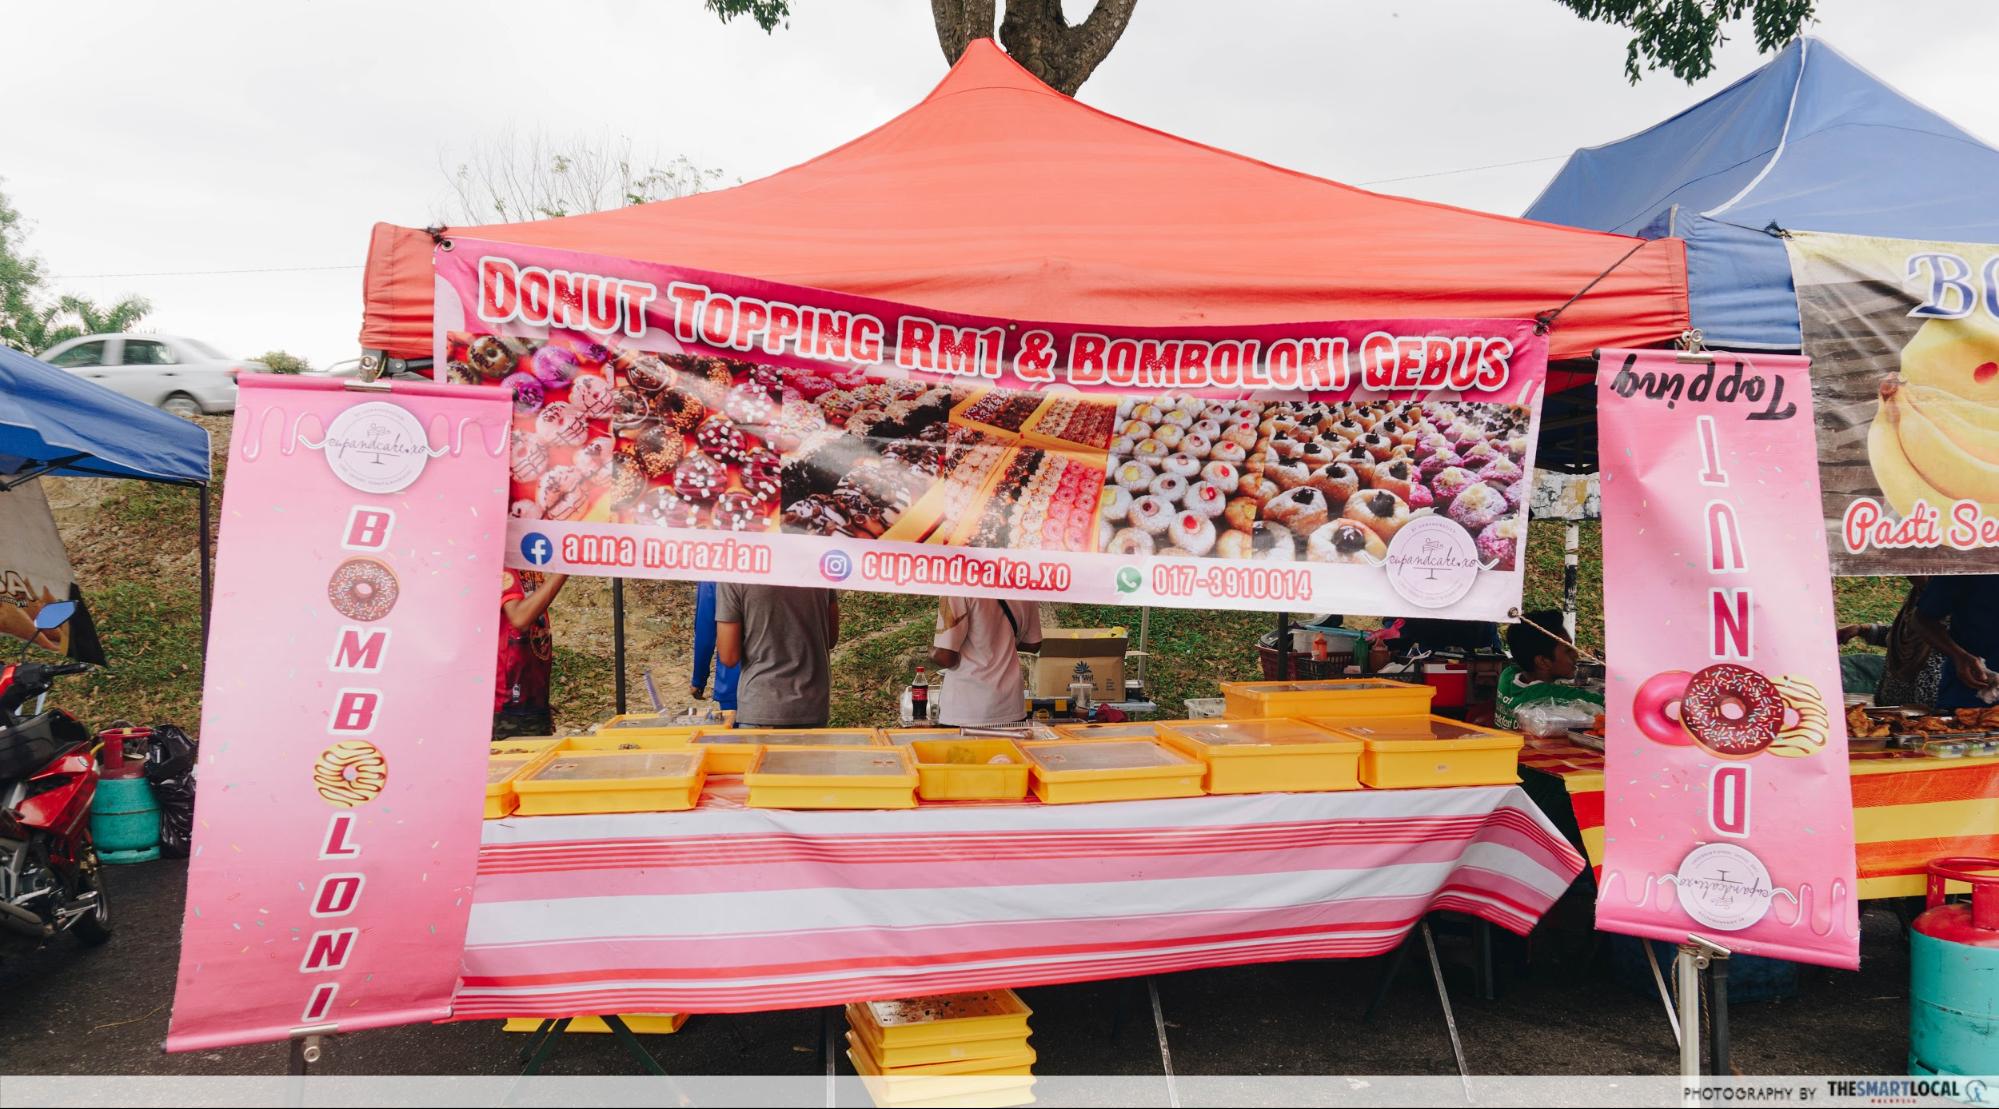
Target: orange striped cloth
1906 811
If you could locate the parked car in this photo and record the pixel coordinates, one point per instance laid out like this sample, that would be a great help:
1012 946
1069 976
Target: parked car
350 368
183 376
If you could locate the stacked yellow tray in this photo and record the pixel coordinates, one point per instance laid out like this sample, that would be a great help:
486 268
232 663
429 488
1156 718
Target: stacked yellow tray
506 761
1331 697
1403 752
1111 770
875 776
1267 756
630 741
968 769
731 750
950 1049
613 782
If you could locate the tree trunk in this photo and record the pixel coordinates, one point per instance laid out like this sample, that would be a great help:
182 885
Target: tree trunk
1037 35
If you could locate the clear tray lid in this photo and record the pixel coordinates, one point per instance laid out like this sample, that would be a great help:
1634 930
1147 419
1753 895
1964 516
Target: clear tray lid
785 737
502 767
908 1011
903 737
1220 733
1113 755
618 766
661 721
879 762
1415 728
1137 729
1328 685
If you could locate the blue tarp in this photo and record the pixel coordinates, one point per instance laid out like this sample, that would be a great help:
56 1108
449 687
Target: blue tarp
49 416
1809 142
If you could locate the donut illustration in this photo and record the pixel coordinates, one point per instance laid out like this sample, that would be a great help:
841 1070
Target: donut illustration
350 773
1732 712
363 589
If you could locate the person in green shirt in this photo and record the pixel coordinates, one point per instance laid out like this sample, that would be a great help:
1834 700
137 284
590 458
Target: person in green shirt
1541 664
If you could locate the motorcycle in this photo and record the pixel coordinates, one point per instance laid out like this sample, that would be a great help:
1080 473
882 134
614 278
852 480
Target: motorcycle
50 877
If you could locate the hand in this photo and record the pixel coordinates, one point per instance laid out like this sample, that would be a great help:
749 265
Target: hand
1846 632
1972 672
695 692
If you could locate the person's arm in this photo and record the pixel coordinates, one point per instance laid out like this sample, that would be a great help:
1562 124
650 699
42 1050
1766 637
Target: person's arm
704 637
832 623
1971 669
954 622
729 642
522 613
1874 635
1029 636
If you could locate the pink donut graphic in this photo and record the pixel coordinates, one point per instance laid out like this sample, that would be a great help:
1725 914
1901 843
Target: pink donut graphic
1648 708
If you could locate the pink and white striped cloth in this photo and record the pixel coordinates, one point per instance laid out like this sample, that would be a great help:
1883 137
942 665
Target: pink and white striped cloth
730 909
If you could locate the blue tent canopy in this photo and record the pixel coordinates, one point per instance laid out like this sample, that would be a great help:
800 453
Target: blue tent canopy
1809 142
57 423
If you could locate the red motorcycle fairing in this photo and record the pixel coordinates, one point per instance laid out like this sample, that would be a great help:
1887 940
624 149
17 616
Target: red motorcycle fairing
59 796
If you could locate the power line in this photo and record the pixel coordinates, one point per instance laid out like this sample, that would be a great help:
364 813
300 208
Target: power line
200 273
1466 169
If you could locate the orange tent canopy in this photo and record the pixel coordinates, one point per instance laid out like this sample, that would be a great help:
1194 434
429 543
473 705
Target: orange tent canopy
998 196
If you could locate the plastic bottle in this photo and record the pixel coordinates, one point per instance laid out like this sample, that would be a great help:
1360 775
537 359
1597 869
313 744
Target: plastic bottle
1319 646
919 697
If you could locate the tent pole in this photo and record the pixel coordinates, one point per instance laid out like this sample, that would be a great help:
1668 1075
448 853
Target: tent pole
207 570
618 637
1572 541
1283 646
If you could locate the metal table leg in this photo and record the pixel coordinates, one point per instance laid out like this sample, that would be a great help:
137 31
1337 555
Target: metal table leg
1165 1053
1444 996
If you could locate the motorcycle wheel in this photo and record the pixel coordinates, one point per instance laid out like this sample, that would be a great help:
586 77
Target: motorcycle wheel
94 929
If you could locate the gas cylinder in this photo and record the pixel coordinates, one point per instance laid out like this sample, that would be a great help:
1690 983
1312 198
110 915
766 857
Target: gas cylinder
1954 974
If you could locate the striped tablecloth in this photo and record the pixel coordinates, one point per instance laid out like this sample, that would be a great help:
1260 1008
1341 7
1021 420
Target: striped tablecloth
731 909
1906 811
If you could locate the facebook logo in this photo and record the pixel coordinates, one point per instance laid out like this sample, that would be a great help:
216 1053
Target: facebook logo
536 548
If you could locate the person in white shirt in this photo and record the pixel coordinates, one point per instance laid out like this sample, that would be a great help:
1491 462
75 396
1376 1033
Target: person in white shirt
975 649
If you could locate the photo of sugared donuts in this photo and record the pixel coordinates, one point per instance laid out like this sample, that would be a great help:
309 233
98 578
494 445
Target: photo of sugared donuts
363 589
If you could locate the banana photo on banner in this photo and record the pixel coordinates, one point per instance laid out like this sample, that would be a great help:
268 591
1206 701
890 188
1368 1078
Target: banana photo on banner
1903 335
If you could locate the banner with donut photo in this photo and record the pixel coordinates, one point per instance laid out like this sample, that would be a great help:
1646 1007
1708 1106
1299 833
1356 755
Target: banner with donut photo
1728 810
1903 335
675 423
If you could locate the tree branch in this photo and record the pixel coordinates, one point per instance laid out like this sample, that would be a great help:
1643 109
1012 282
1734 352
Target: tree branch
959 22
1040 38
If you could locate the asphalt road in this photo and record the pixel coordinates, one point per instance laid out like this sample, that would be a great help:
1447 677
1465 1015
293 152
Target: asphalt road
66 1009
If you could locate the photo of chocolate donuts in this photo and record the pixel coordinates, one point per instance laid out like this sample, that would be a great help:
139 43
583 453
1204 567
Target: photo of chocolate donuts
363 589
596 430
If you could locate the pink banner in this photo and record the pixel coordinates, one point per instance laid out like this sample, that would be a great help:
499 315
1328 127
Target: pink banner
1727 807
675 423
346 710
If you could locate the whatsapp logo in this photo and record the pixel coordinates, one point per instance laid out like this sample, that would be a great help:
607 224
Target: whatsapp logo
1129 579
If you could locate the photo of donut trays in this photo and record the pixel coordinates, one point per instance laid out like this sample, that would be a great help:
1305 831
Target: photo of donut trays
1319 481
966 466
669 440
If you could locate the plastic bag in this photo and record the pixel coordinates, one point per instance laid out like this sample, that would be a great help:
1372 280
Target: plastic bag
1555 718
170 758
169 754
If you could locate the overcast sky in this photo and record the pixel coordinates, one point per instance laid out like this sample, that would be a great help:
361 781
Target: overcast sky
154 140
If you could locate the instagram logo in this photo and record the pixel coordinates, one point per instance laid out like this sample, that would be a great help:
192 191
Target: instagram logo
836 566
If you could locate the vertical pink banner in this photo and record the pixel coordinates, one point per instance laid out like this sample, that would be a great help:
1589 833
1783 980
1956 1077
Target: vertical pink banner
346 710
1727 807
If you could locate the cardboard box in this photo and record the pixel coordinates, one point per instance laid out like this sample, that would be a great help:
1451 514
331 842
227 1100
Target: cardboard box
1099 650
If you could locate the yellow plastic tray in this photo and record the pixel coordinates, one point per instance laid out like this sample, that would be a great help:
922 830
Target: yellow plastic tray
613 781
1033 432
507 760
903 737
731 750
634 740
959 417
943 1018
1332 697
648 723
1018 1058
1267 756
923 1055
1067 772
959 532
875 776
644 1024
1411 752
945 1091
1130 729
965 769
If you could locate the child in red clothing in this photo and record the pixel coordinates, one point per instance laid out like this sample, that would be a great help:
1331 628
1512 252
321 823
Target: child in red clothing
527 654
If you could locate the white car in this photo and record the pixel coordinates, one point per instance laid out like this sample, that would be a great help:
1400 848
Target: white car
184 376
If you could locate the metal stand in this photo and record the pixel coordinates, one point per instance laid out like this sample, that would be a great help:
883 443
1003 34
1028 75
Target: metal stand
1716 969
1572 541
1699 963
1165 1053
1444 996
306 1050
542 1043
618 638
1283 646
207 570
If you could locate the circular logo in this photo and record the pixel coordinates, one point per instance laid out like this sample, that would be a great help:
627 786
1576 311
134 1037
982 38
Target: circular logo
377 447
1723 886
1432 562
836 566
1129 579
536 548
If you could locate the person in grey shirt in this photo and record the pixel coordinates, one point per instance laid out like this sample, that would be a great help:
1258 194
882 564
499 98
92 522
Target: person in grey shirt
783 638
